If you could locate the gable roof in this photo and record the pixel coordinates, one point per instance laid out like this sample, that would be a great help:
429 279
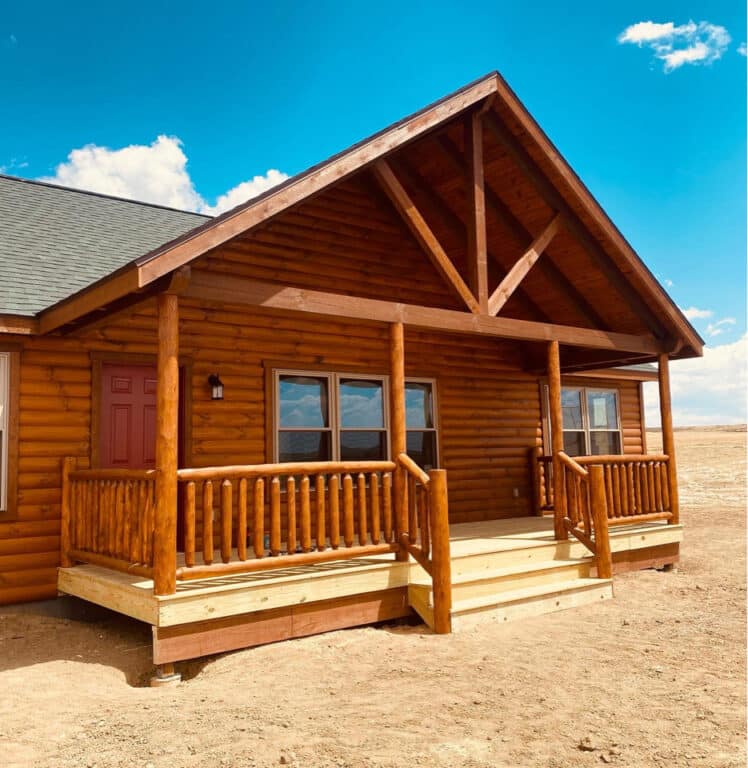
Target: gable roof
490 92
55 241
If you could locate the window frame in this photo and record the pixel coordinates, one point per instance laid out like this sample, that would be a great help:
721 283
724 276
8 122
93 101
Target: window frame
334 377
586 429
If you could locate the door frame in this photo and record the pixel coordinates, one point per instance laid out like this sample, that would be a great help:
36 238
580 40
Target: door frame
184 427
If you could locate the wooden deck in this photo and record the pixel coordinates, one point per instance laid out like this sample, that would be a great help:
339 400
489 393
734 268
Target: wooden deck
501 569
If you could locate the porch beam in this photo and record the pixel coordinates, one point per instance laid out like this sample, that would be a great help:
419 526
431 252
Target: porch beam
236 290
423 233
556 201
477 251
523 265
167 413
668 439
557 438
524 237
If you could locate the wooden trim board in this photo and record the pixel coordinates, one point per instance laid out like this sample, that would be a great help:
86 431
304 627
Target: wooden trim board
189 641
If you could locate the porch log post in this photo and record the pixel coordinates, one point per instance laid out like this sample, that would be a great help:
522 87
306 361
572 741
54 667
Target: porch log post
476 199
440 554
69 464
600 516
167 410
557 439
668 440
399 443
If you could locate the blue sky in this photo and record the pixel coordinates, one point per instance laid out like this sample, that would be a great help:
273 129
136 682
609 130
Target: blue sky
251 87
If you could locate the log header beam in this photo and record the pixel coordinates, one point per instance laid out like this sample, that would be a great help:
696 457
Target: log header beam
234 290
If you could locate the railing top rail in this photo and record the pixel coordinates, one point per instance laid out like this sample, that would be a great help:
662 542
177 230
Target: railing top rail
572 464
622 459
112 474
286 468
413 468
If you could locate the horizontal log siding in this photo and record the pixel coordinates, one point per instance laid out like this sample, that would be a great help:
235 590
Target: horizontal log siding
489 411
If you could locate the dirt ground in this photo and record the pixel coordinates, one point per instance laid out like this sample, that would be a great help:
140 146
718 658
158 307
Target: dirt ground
655 677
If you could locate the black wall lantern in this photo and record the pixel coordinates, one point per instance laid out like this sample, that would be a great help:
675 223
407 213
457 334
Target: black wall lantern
216 387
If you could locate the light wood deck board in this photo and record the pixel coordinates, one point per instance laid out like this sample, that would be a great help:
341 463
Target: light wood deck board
244 593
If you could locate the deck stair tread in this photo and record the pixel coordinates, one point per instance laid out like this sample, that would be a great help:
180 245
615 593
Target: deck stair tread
527 593
509 571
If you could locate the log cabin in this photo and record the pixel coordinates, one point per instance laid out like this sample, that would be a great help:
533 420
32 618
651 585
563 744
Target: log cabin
408 379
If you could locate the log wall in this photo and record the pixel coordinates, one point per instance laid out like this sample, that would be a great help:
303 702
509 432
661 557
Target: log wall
489 411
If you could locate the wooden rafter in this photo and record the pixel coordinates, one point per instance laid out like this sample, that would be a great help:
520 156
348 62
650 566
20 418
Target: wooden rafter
524 237
523 265
477 252
423 233
557 202
429 196
235 290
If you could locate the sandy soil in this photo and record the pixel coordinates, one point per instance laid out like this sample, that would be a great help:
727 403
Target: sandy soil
655 677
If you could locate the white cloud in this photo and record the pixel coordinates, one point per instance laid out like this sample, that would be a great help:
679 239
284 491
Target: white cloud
153 173
743 49
715 329
675 46
668 282
705 391
694 313
245 191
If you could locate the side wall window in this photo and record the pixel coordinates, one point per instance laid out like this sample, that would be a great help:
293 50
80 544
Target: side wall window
345 417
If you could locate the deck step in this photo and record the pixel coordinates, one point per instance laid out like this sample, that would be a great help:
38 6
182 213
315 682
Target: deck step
513 604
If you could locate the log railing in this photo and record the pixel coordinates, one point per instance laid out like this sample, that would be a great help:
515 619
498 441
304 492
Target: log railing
586 510
637 487
424 532
240 519
108 518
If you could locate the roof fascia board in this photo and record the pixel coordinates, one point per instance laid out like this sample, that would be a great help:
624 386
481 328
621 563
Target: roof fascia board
585 197
16 324
219 230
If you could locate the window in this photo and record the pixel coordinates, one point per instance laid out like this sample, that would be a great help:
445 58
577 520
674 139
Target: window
345 417
4 424
590 421
419 420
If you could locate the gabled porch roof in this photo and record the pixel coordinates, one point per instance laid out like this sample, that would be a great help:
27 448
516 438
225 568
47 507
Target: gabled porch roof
591 289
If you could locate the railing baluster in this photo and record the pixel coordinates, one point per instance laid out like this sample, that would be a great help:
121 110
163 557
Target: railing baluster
387 505
375 512
189 524
651 485
258 508
241 523
615 510
291 515
334 504
664 481
208 522
362 515
320 509
412 512
424 508
348 510
306 515
227 514
275 517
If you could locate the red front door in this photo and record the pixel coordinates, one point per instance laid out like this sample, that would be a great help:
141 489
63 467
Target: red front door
127 436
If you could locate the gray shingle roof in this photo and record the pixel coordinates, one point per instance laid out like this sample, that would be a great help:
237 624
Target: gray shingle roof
54 241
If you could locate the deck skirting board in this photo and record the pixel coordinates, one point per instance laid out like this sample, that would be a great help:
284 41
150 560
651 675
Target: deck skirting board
203 638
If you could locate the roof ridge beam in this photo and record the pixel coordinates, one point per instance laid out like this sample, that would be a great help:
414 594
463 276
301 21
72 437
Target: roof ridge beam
410 214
